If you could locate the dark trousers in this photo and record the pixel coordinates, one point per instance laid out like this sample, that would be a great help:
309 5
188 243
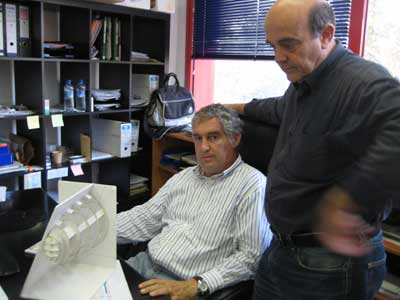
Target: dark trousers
314 273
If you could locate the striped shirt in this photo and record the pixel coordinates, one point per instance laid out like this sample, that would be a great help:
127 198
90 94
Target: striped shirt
213 227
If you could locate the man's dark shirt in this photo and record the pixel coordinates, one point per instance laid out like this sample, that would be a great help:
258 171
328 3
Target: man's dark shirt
339 126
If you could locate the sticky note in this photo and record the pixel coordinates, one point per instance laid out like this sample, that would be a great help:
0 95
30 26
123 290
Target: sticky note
77 170
57 173
33 122
32 180
57 120
3 190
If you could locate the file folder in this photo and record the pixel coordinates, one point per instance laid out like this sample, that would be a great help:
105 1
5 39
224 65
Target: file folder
11 29
2 30
24 40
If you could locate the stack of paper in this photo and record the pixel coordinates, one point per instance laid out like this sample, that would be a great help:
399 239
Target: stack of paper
138 185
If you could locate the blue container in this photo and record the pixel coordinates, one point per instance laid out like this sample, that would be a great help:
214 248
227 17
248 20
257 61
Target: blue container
6 159
3 148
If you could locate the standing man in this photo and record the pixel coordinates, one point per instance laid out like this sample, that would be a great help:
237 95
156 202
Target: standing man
335 162
206 225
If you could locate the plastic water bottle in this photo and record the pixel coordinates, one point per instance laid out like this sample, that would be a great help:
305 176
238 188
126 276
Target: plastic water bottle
80 90
68 96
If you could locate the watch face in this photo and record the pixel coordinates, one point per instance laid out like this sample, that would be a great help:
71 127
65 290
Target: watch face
202 286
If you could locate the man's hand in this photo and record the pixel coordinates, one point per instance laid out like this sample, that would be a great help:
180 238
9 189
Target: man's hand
341 227
177 290
239 107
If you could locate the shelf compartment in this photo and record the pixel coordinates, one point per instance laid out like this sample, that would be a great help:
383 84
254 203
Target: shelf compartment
29 47
124 39
6 82
150 36
28 84
116 76
56 72
36 138
70 25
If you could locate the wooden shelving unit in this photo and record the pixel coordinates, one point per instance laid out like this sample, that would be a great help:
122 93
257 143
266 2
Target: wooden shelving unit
160 173
31 80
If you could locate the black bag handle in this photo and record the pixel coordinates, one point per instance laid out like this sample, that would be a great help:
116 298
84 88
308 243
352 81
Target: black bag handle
173 75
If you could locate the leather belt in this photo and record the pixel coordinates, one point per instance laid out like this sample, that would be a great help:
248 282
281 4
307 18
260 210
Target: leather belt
303 239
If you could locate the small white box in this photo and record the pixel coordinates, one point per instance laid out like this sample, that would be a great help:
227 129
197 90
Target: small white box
112 137
143 85
144 4
135 135
167 6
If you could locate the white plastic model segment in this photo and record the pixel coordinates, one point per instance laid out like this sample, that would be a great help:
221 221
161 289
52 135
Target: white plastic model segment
80 229
78 251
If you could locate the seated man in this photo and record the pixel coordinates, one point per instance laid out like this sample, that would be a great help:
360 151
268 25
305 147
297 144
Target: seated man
206 225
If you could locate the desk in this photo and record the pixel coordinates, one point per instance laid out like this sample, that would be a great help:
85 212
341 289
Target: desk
12 285
23 221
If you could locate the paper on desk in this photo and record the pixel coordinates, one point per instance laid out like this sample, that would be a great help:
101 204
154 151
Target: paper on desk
3 295
57 120
80 277
3 190
33 122
115 287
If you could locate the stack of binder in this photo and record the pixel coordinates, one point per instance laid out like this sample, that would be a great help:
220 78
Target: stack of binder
15 30
110 38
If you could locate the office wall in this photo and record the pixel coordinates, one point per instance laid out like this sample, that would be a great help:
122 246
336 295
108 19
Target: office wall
178 40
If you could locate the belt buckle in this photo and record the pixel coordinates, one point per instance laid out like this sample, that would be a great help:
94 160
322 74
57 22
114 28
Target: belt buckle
286 240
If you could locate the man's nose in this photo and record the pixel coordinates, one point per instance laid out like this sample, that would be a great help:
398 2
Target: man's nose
280 55
205 146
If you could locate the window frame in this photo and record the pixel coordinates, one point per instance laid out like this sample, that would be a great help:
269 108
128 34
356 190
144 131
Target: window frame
357 31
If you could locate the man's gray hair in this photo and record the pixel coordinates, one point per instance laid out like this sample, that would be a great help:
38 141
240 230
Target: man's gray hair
321 15
229 118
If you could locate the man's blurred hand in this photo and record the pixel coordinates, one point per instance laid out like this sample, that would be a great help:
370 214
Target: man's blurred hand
177 290
341 227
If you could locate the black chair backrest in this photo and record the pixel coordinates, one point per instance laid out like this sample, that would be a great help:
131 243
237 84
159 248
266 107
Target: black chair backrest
257 145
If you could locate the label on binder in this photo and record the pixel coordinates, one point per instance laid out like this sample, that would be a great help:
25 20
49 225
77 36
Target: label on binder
1 31
24 22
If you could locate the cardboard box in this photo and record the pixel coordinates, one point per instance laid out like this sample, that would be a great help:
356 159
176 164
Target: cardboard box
167 6
143 4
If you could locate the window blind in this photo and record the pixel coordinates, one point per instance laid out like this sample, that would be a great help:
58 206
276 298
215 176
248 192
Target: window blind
235 28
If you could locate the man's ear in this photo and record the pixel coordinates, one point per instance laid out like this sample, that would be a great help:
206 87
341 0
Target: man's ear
327 35
235 141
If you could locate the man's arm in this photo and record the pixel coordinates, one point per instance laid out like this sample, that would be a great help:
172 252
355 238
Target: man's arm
368 185
269 110
143 222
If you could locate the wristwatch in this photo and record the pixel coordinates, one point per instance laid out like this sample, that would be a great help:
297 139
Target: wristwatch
202 287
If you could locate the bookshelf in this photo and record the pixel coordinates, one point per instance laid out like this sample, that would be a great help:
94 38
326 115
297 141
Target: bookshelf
31 80
160 173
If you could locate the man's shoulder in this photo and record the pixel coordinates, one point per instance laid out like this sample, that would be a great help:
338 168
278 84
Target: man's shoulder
362 69
249 173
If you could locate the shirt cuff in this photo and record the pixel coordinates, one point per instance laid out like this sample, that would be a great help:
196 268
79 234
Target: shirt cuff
366 192
214 280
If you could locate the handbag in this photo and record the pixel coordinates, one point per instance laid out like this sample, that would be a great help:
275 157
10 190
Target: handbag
171 108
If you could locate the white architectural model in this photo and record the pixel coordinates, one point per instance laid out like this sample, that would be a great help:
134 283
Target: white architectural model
78 251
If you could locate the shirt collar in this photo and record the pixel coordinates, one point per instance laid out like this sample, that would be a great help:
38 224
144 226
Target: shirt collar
311 80
199 172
